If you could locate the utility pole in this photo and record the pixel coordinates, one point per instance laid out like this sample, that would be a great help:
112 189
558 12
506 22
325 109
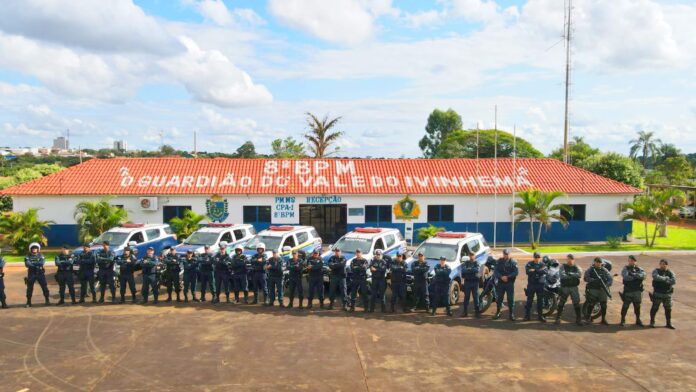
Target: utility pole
567 81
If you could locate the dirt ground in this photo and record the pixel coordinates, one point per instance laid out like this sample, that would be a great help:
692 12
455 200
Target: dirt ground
201 347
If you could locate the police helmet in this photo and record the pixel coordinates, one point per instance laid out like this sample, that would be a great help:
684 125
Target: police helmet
223 244
546 259
239 247
35 245
287 248
378 252
261 245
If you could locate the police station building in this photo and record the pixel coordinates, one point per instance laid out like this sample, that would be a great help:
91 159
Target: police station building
333 195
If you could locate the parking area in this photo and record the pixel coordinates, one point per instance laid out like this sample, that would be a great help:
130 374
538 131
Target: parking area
201 347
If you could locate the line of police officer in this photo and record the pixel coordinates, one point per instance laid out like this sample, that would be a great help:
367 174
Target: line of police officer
221 271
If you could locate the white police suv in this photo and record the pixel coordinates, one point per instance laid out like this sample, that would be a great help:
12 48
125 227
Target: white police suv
159 236
212 234
304 238
455 246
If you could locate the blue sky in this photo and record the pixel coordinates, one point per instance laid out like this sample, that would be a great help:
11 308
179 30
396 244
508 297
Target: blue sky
249 70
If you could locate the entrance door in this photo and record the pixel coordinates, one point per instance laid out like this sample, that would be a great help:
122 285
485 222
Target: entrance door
330 220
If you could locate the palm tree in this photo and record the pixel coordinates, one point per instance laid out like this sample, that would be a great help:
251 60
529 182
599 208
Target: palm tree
96 217
19 229
429 231
666 202
187 224
647 144
538 206
642 208
319 137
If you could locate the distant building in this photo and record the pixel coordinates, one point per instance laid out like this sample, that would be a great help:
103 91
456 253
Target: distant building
60 143
120 145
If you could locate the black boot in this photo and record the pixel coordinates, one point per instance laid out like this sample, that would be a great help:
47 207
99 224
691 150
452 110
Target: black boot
4 304
101 298
384 308
498 313
28 305
123 299
291 301
449 312
186 297
372 307
47 300
178 298
133 300
541 318
194 297
169 297
331 305
60 302
203 298
527 317
578 314
624 310
638 322
393 308
668 316
301 300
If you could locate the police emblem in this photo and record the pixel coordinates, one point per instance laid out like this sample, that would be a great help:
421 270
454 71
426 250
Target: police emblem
216 208
406 209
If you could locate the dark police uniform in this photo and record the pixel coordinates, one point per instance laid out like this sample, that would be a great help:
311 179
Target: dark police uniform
379 283
222 276
35 273
594 290
663 286
441 285
86 262
505 268
64 263
398 284
258 276
471 274
315 265
337 281
295 270
570 280
3 298
358 283
536 278
150 267
190 263
105 274
276 268
172 268
420 283
239 275
126 274
632 291
206 274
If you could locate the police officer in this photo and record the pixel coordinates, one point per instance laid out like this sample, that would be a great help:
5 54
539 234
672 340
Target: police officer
471 273
505 272
315 266
296 267
337 279
420 270
105 274
150 265
570 275
3 298
358 283
398 269
663 281
598 281
126 269
205 272
64 262
536 279
258 276
276 268
172 268
441 285
190 264
239 274
633 277
222 273
34 262
378 268
86 262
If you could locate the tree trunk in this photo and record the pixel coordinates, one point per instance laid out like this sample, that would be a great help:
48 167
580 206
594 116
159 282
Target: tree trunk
663 230
657 227
539 233
531 233
647 240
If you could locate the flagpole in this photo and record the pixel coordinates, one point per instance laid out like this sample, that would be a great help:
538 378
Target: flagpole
495 176
514 183
477 176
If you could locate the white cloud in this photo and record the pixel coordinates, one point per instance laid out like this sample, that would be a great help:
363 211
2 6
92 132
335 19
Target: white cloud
475 10
423 18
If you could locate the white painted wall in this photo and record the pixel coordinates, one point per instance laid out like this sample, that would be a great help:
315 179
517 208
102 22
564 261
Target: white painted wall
61 208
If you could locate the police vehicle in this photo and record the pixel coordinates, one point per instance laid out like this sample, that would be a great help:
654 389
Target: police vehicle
455 246
301 238
212 234
157 235
367 239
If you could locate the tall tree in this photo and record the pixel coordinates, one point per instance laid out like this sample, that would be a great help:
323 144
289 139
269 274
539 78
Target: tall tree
676 170
20 229
642 208
536 206
96 217
667 201
462 144
440 124
579 151
666 150
647 144
320 137
186 225
288 148
615 166
246 150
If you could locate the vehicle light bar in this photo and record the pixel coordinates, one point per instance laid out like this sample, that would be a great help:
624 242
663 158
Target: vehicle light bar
280 228
368 230
218 225
132 225
452 234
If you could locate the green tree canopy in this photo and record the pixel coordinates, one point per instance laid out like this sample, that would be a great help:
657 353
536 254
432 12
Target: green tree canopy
579 151
246 150
20 229
185 226
320 138
96 217
666 150
288 148
462 144
615 166
676 170
537 206
647 145
440 124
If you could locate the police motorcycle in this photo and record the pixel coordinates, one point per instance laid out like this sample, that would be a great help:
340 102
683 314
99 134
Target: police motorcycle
596 311
487 283
551 286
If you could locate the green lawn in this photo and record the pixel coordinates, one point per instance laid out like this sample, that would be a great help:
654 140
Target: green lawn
677 239
10 258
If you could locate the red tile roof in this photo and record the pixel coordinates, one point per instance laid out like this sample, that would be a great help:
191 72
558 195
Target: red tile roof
171 176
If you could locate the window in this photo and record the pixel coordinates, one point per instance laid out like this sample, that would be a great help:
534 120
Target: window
227 237
390 240
578 212
315 234
289 241
137 237
378 214
302 237
355 212
441 213
238 234
169 212
379 244
257 214
168 230
399 237
474 246
152 234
